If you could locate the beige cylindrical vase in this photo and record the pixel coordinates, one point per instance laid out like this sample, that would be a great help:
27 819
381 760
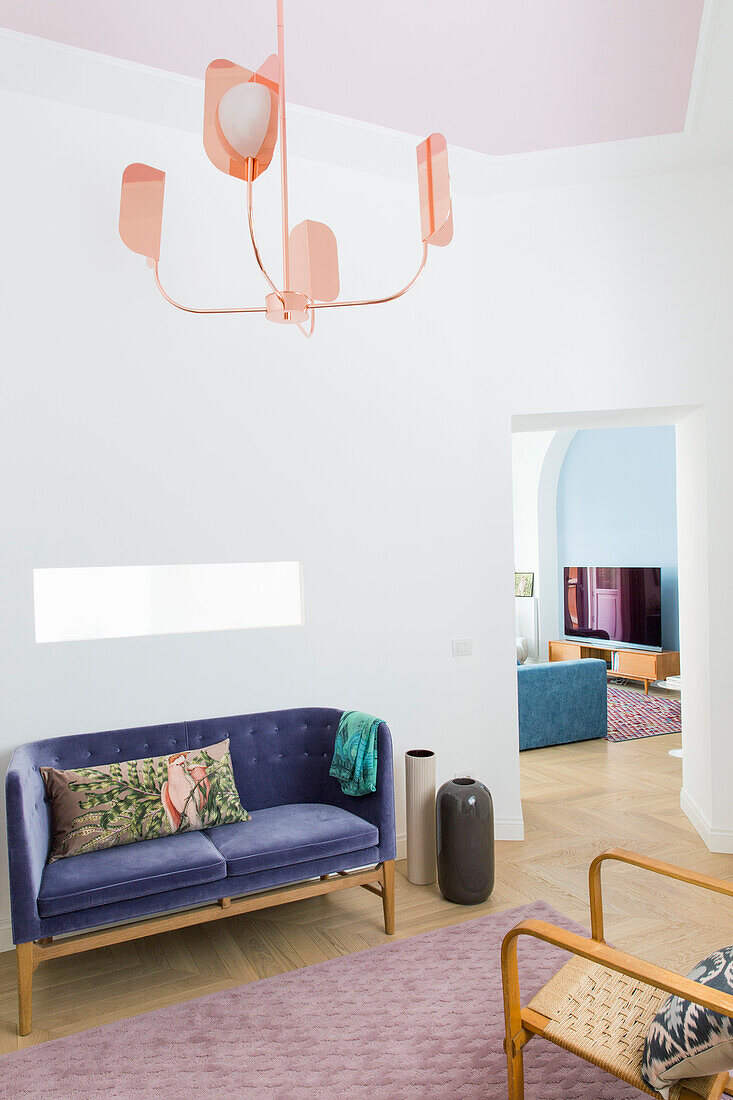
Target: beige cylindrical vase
420 791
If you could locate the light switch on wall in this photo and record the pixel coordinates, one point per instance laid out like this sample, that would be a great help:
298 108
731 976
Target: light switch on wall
462 647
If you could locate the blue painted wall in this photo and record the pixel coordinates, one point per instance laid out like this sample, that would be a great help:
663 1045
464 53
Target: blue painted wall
616 505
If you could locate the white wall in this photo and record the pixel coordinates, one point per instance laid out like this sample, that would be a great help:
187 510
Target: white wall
692 556
135 434
549 479
528 455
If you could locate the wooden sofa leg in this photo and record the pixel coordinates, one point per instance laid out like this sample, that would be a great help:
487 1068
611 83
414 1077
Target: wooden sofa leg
24 956
388 896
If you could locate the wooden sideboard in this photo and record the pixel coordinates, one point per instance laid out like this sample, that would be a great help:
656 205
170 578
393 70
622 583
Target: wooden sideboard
645 665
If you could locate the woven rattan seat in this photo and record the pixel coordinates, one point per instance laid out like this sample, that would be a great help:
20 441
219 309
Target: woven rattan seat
603 1017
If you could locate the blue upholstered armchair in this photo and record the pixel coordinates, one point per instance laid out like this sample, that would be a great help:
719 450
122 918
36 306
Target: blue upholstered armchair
561 702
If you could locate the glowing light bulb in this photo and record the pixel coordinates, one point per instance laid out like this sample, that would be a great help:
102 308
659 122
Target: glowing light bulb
244 117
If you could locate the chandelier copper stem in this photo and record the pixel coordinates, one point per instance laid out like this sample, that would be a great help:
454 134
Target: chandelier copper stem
283 146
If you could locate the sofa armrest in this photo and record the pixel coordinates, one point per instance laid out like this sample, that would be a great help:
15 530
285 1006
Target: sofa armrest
376 808
29 837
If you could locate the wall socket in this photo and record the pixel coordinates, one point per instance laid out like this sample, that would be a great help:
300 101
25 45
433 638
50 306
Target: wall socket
462 647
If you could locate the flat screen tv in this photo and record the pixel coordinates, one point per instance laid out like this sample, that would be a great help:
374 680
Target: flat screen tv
614 604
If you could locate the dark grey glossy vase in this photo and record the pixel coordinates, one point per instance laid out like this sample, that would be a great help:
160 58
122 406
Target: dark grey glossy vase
465 841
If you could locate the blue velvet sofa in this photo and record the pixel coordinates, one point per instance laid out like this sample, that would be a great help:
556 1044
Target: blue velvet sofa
561 702
303 830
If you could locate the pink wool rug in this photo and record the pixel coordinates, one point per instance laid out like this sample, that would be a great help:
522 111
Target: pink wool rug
631 714
418 1018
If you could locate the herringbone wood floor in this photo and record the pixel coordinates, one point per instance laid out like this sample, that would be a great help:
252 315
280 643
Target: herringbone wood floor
577 800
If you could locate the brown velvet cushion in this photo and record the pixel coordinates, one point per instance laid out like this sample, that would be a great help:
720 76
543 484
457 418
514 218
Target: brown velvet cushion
113 804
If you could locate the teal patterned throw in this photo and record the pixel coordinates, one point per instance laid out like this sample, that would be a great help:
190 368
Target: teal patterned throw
355 753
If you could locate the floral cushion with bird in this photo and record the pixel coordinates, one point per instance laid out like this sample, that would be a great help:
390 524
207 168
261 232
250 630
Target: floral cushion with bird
686 1040
121 803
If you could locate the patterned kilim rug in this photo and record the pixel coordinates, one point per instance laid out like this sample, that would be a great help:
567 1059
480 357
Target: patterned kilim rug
631 714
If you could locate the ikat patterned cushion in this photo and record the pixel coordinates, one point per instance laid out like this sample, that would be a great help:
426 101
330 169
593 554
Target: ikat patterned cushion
114 804
686 1040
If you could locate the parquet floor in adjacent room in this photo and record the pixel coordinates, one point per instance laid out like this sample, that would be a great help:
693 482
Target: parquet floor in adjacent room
578 799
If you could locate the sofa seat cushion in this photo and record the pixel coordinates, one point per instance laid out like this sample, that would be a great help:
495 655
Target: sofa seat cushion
130 871
282 835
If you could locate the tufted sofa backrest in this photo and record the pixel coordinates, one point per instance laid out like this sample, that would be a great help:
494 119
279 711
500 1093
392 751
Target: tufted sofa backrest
278 756
88 750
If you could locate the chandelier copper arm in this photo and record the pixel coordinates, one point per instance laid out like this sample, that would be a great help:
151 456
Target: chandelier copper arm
379 301
251 223
244 121
191 309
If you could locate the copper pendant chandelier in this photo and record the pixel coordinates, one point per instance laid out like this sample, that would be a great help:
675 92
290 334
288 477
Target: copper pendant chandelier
243 112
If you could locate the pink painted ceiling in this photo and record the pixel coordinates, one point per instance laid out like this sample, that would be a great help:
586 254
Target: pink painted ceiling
497 76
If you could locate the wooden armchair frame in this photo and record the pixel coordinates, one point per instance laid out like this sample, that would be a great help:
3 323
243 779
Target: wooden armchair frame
523 1023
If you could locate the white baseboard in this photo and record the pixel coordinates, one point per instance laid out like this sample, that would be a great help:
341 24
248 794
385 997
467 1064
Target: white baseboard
509 828
716 840
6 939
